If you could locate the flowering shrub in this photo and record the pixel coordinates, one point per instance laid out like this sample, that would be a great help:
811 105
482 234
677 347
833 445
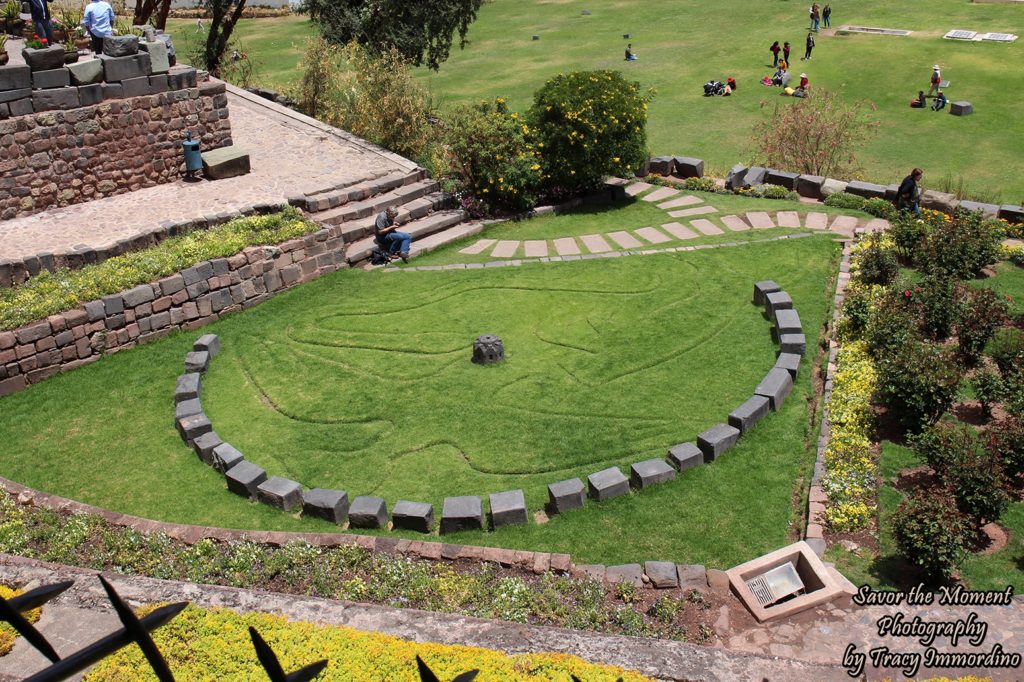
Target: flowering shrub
589 124
858 305
767 192
875 260
959 246
937 302
1006 348
1006 442
919 382
701 184
980 314
850 465
845 200
488 153
892 323
880 208
930 532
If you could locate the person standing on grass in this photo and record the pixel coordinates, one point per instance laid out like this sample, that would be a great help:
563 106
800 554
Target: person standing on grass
387 235
815 17
810 46
775 49
908 196
98 21
785 51
936 80
826 13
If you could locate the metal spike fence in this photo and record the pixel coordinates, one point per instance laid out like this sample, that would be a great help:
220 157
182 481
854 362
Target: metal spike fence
136 631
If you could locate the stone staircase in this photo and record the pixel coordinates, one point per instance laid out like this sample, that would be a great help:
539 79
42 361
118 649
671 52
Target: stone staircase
424 211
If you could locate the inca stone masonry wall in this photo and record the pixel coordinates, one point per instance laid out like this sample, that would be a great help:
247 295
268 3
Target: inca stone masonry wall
56 158
186 300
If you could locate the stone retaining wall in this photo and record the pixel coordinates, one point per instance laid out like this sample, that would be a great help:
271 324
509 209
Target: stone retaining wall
186 300
56 158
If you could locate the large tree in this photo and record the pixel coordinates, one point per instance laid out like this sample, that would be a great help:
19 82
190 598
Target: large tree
421 30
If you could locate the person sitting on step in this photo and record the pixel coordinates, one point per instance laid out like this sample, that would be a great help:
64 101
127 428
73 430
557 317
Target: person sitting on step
387 235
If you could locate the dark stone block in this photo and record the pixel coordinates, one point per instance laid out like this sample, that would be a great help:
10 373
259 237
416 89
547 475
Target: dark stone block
158 83
417 516
763 288
789 362
777 177
989 210
209 343
692 577
181 77
120 46
746 416
734 180
368 512
113 304
685 456
661 165
117 69
280 493
204 445
21 107
868 190
330 505
1011 213
662 574
793 343
51 78
754 176
112 91
775 301
136 296
787 321
90 94
809 186
193 426
226 456
244 478
188 387
45 58
225 162
462 513
87 72
197 361
716 440
961 108
688 167
12 95
566 495
187 408
508 508
607 483
650 472
58 98
15 77
136 86
775 386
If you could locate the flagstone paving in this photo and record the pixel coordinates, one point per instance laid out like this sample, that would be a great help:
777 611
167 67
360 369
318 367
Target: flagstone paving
595 243
688 200
816 221
625 240
877 224
760 220
845 224
535 248
638 188
697 210
707 227
479 247
788 218
653 236
660 194
679 231
567 246
735 223
505 248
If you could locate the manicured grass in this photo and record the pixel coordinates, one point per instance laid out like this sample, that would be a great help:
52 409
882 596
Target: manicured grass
363 382
885 569
1009 281
684 43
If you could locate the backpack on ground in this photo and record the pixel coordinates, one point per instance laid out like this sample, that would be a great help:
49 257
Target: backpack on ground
713 88
379 256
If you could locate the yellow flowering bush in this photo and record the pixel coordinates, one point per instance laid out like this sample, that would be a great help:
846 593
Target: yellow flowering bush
214 644
7 633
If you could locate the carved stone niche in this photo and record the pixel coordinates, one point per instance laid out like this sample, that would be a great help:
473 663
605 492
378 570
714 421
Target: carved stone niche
488 349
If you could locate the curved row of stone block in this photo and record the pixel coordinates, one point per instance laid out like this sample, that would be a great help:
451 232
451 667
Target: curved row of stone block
506 508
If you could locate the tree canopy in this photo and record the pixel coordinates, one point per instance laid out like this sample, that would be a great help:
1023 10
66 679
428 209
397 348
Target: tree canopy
422 31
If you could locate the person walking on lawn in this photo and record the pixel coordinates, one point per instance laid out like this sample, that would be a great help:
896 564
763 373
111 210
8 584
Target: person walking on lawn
936 80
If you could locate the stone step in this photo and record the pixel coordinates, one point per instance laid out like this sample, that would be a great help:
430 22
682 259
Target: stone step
625 240
787 219
479 247
706 227
424 227
355 230
653 236
332 197
697 210
876 224
679 231
759 220
688 200
535 248
660 194
505 248
637 188
844 224
735 223
225 162
371 206
816 221
567 246
446 236
595 243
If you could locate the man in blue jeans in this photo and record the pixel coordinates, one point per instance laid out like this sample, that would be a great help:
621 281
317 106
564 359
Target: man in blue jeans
41 19
388 236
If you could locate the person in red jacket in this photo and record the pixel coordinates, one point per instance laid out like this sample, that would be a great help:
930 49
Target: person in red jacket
801 90
775 49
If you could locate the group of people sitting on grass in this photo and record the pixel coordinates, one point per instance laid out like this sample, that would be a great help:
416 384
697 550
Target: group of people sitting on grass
921 101
782 77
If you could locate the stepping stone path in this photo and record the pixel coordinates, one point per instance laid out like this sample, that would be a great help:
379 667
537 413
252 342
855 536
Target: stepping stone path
707 227
653 236
816 221
505 248
660 194
845 224
479 247
698 210
688 200
735 223
679 231
638 188
788 218
760 220
535 248
566 246
595 243
876 224
625 240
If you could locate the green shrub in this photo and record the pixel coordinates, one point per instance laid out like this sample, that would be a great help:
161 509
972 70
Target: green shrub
1006 442
930 533
880 208
488 156
856 313
589 124
906 231
938 306
976 478
980 314
701 184
776 192
49 293
958 247
919 382
891 325
877 264
1006 348
988 387
845 200
941 443
665 609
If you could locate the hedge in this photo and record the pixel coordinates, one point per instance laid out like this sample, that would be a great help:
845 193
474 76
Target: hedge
50 293
201 644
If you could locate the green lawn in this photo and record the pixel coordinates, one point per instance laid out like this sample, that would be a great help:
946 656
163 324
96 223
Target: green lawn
363 381
1009 281
684 43
885 569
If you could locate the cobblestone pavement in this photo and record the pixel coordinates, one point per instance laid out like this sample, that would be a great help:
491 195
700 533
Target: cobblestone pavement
289 153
